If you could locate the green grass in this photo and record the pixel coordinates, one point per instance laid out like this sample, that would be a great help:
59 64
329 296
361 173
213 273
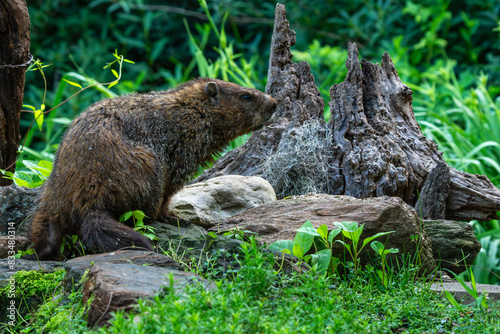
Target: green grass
258 298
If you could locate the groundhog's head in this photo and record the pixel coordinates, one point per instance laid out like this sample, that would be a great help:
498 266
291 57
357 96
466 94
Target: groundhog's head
243 109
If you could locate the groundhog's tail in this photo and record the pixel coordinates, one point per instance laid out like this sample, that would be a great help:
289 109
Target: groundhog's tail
99 231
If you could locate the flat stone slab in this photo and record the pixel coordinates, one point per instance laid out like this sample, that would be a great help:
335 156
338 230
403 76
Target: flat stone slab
458 291
115 286
7 269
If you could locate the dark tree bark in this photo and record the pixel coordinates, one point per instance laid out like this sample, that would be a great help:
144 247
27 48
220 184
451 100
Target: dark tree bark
293 87
14 52
379 148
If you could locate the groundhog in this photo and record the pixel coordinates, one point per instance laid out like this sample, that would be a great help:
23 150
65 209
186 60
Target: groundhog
133 153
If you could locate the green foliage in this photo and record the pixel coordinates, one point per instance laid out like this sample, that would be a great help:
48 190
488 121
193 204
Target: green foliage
44 305
380 249
35 283
259 301
138 219
322 260
352 231
446 51
52 126
34 177
480 300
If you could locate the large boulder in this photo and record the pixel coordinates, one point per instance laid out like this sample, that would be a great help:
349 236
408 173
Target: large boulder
117 286
280 220
210 202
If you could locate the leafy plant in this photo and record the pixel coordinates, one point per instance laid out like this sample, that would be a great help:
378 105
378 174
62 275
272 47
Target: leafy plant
36 175
352 231
380 249
323 259
53 129
304 239
138 219
480 300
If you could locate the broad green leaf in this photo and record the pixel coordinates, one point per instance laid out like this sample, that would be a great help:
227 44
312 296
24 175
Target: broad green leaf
304 240
367 240
73 83
43 168
323 231
298 251
282 245
322 260
114 73
23 180
39 118
347 226
139 215
112 84
308 230
333 234
126 216
378 247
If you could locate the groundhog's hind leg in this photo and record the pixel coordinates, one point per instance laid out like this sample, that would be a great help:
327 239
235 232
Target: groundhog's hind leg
99 231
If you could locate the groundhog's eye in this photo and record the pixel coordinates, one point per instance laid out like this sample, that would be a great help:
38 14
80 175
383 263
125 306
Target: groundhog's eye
246 97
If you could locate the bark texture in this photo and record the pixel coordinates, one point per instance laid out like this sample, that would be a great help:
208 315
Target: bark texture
14 51
292 86
379 149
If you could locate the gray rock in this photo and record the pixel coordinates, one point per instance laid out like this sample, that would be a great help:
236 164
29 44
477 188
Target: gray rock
10 267
461 295
454 244
210 202
15 206
9 245
76 267
118 286
280 220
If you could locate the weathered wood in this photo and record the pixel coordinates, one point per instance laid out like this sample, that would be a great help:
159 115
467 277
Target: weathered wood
380 150
14 52
431 203
472 197
293 87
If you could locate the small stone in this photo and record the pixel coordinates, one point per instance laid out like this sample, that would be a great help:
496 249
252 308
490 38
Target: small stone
210 202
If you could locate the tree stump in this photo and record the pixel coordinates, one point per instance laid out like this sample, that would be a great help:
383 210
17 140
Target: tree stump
379 148
14 57
293 87
375 145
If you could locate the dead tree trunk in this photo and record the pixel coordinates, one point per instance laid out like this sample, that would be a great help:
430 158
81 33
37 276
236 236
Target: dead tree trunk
293 87
14 57
374 144
380 151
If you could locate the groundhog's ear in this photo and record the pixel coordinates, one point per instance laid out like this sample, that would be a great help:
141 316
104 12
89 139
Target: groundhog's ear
212 90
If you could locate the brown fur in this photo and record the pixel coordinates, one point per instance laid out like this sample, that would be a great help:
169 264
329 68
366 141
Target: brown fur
133 153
